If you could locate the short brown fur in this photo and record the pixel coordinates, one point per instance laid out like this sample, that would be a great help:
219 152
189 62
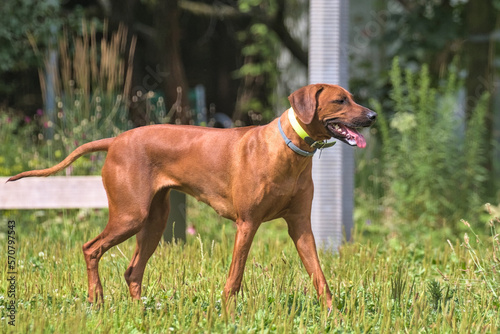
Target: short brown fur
247 175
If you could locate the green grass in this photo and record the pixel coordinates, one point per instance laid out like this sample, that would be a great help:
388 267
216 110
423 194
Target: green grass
391 286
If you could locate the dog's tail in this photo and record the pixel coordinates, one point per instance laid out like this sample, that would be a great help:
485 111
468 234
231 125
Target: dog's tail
95 146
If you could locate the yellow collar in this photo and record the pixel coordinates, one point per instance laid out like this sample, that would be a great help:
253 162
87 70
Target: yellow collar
296 126
304 135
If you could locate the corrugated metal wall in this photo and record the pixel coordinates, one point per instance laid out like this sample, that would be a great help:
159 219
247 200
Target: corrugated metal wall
333 169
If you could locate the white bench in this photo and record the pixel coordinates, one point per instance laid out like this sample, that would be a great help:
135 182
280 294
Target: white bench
54 192
77 192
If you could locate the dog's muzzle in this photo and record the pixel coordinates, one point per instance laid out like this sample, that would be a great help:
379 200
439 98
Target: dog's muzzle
349 132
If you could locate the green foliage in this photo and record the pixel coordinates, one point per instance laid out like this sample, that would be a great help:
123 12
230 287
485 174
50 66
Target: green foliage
259 70
436 296
17 19
398 284
25 147
432 161
419 30
247 6
18 151
40 19
91 84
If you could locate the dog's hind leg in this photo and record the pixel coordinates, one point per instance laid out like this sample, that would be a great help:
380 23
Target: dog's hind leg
116 231
121 226
129 205
148 239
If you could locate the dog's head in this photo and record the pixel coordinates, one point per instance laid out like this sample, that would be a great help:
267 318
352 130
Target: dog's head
330 111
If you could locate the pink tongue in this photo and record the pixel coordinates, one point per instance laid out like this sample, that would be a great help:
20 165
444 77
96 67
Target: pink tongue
360 140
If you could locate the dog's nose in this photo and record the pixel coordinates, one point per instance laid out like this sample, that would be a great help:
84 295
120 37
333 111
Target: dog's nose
372 115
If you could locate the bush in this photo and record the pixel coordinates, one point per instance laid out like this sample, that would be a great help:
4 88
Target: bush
90 82
432 161
18 151
91 85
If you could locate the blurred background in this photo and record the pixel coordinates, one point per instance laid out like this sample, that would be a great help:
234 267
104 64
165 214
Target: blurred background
76 71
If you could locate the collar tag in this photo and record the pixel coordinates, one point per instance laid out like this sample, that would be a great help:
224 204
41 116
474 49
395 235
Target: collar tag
318 144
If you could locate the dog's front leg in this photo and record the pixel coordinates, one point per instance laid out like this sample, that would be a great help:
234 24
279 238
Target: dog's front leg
299 229
244 237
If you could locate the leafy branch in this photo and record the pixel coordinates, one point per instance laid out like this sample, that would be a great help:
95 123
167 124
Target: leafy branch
274 21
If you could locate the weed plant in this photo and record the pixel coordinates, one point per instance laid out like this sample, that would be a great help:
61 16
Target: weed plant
91 85
91 82
430 169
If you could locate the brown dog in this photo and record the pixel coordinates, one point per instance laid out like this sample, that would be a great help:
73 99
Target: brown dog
248 175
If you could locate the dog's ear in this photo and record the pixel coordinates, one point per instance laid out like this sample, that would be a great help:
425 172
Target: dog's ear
304 102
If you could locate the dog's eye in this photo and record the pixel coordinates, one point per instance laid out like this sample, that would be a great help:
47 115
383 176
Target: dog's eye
339 101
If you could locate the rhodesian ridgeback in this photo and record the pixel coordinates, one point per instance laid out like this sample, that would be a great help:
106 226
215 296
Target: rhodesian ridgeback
249 175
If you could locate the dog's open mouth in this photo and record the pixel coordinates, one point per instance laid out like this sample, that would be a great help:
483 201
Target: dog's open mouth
347 134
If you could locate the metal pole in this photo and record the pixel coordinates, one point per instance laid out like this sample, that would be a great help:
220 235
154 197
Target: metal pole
176 224
333 171
50 80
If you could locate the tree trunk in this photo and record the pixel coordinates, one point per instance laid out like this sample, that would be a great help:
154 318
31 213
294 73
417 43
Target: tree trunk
169 35
480 21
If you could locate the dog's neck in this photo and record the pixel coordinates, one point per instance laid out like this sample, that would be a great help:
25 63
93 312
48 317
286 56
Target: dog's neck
299 130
